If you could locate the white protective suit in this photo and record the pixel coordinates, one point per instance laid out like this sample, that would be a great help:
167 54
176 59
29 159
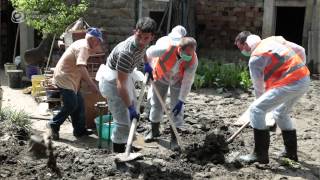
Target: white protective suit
281 99
108 88
179 88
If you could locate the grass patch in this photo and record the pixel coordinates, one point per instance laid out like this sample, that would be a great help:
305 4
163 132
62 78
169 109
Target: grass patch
16 122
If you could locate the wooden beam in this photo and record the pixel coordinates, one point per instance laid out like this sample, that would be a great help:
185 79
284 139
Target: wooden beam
291 3
0 36
317 32
169 17
269 16
307 22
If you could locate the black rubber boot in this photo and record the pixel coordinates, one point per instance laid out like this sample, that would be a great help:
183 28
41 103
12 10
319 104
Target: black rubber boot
290 144
54 130
118 148
261 148
86 132
174 146
152 133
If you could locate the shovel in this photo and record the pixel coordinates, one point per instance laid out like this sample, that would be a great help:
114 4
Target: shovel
173 126
127 156
245 121
229 140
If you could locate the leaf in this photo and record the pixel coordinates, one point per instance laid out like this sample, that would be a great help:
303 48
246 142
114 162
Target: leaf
48 16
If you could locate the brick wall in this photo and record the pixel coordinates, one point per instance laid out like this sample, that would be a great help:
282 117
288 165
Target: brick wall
219 21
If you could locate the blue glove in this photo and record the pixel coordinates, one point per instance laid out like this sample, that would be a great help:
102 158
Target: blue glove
177 109
133 113
148 68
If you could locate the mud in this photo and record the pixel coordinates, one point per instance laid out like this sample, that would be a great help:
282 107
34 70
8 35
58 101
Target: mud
212 149
209 117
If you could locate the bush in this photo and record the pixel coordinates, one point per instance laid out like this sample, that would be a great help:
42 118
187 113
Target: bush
16 123
216 74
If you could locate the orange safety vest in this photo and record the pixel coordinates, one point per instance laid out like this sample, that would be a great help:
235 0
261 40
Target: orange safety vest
166 62
286 66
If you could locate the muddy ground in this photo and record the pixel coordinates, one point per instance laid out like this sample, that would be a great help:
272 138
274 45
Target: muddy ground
209 117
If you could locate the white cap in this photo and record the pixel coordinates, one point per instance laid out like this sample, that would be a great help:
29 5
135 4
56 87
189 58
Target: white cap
253 41
177 33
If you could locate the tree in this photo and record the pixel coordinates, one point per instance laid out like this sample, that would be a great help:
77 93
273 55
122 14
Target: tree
50 16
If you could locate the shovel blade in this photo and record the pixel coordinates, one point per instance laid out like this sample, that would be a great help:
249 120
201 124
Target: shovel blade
123 157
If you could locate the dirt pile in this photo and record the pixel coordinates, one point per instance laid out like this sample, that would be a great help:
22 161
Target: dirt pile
211 150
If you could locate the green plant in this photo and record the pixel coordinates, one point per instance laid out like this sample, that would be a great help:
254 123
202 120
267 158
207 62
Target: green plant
50 16
228 76
216 74
199 81
245 80
15 121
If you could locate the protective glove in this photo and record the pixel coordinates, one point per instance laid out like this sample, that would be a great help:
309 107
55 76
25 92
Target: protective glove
148 69
133 113
177 109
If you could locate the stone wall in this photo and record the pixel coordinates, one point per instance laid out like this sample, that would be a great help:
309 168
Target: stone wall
219 21
116 17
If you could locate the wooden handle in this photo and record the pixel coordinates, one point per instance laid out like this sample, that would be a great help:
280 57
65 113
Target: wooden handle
167 112
237 132
133 126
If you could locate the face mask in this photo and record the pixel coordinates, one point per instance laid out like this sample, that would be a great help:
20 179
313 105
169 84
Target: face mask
185 57
245 53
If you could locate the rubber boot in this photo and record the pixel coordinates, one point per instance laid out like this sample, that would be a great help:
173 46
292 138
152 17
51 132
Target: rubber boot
152 133
173 142
85 132
118 148
290 144
54 131
261 148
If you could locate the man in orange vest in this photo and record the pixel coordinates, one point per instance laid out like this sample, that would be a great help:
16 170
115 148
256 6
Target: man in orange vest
175 64
280 77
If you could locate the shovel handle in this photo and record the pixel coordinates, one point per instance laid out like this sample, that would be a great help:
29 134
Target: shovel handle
237 132
133 126
131 134
173 126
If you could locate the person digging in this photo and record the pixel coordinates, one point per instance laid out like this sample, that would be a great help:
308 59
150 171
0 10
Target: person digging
116 84
280 77
68 73
175 63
